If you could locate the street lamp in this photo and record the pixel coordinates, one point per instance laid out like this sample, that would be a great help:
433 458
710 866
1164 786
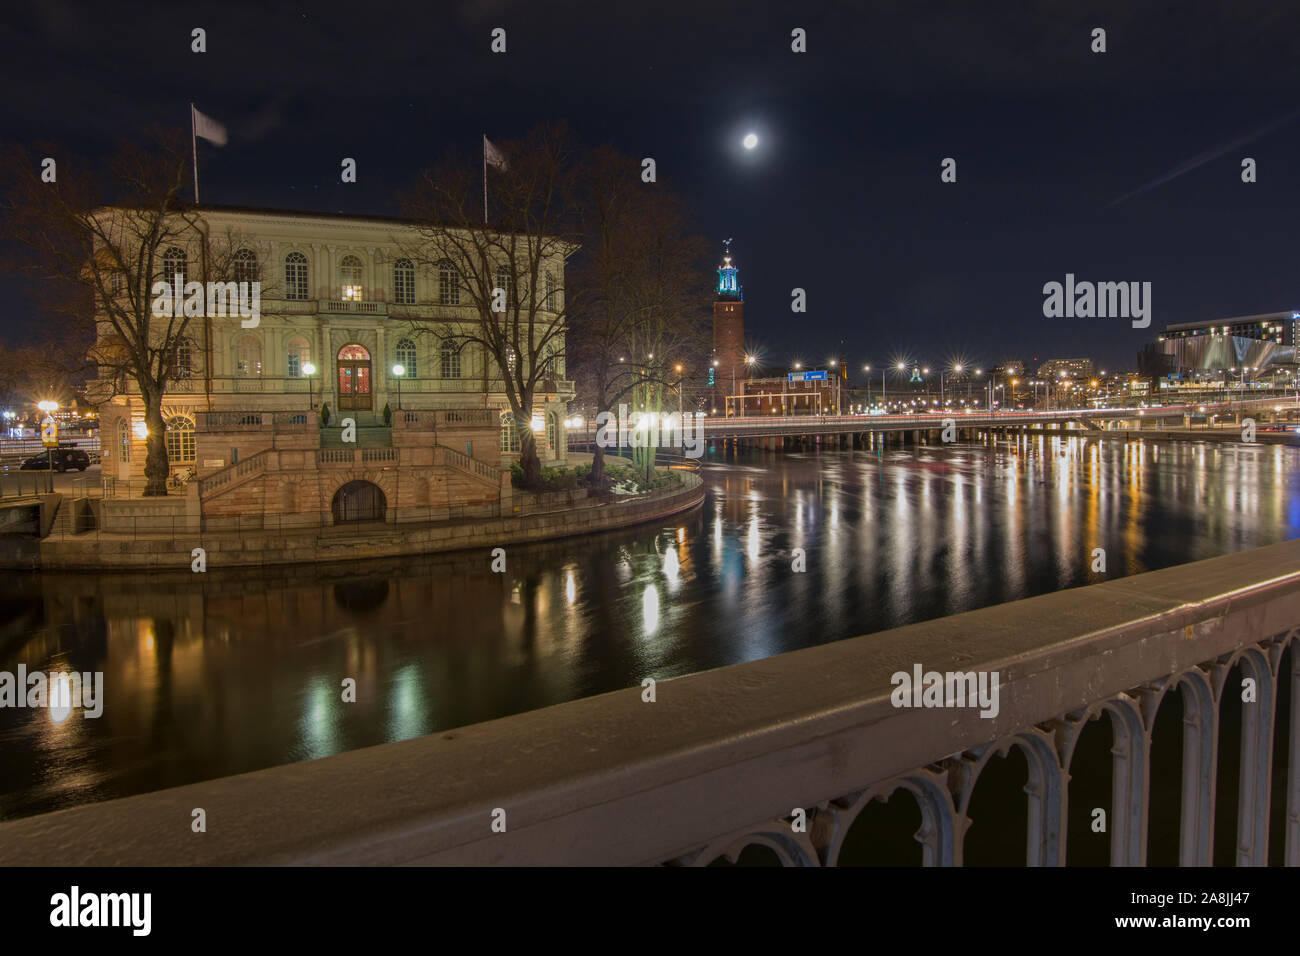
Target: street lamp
399 370
308 370
49 408
901 367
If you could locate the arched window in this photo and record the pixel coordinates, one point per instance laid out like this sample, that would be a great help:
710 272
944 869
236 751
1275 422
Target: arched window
175 263
448 284
123 442
552 295
248 356
404 282
504 282
552 431
450 356
299 354
295 276
244 266
509 434
350 277
407 359
180 439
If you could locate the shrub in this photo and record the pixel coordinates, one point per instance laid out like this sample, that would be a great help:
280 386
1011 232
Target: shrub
324 414
388 414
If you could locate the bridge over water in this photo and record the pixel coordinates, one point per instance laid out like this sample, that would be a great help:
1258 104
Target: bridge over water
731 758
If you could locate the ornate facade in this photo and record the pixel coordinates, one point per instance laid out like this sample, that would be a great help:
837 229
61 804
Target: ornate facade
343 309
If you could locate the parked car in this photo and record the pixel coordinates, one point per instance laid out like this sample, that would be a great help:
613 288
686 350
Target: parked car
63 459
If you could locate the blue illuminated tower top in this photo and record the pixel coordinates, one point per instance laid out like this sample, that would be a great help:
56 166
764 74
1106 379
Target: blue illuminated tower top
729 288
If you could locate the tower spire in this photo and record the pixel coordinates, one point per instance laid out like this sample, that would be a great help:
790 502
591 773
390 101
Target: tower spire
728 277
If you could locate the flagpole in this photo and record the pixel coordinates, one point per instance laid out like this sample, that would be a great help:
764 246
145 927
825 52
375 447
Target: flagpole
485 179
194 145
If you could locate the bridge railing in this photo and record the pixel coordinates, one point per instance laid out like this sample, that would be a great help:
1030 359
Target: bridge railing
785 753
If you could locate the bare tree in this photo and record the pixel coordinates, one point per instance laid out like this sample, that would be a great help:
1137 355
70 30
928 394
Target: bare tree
100 239
510 271
637 318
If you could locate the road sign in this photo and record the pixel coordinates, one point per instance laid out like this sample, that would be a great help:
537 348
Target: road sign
808 376
49 432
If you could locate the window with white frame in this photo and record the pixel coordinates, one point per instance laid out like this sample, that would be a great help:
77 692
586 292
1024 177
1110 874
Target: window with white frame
180 439
406 358
448 284
503 281
450 359
404 282
295 276
248 356
183 356
299 354
244 266
175 263
509 433
350 278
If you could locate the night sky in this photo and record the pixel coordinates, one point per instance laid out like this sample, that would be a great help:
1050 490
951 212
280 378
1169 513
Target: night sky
842 197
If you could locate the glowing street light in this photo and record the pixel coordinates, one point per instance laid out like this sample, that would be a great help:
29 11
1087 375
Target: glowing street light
308 370
49 408
398 371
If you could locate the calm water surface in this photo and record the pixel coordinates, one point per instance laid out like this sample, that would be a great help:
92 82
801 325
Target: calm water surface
221 673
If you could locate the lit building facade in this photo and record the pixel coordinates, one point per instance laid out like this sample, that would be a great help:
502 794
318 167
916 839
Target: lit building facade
1073 368
1207 349
341 306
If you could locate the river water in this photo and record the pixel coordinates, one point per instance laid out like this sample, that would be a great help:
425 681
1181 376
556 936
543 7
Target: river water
212 674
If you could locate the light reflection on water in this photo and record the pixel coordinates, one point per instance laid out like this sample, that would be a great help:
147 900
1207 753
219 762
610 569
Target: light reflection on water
209 675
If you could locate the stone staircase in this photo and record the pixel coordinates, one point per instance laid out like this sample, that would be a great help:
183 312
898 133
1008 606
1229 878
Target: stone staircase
371 433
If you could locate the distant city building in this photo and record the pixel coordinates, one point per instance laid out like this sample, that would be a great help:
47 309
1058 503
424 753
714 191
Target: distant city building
810 393
1012 367
1080 368
728 330
1197 349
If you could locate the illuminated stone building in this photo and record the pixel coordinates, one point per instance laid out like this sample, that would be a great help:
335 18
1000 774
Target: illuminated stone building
343 310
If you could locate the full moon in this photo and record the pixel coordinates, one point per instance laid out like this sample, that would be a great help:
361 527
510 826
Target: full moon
750 141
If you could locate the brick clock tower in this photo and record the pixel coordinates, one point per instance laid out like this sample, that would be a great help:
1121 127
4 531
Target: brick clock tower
729 369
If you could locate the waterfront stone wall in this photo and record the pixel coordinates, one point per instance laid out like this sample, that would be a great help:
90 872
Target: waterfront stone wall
234 545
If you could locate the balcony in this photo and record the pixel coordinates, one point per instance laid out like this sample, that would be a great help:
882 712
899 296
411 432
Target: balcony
352 307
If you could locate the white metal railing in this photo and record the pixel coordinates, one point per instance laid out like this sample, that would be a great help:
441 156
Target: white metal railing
792 771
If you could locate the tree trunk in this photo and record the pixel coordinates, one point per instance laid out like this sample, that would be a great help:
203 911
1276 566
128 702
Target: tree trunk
528 460
597 476
155 458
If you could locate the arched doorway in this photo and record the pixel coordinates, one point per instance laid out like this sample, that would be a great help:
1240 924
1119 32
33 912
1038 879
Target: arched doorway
354 378
358 501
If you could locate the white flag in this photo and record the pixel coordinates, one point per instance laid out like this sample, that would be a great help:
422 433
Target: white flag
208 128
492 156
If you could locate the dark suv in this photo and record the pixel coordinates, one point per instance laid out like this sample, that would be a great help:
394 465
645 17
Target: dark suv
64 459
